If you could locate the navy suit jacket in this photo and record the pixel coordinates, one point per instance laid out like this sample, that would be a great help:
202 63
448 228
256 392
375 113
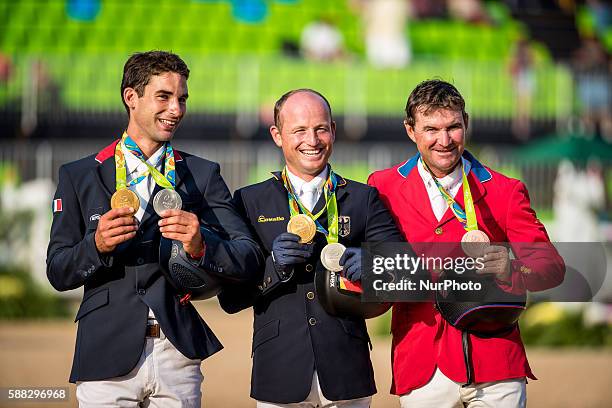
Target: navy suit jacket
120 287
293 334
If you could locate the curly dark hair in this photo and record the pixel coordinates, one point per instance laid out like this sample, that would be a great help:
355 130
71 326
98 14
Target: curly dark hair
431 95
140 67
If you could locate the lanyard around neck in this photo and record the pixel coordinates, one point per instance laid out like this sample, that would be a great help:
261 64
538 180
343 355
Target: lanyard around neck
166 180
467 218
329 191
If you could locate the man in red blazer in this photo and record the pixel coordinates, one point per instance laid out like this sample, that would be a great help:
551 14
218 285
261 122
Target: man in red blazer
429 369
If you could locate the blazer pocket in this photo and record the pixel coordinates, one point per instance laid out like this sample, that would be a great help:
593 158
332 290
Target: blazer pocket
92 302
355 329
265 333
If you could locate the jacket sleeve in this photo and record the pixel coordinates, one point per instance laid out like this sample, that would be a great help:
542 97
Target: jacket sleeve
538 265
72 256
380 225
231 250
236 297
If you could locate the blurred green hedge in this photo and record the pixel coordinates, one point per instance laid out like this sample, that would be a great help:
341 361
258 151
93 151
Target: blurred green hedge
22 298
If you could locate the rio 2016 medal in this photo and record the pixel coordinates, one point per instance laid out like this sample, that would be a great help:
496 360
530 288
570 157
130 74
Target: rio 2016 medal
167 199
474 243
330 256
125 198
303 226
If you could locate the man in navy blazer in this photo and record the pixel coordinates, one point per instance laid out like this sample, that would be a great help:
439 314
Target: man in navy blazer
137 340
301 354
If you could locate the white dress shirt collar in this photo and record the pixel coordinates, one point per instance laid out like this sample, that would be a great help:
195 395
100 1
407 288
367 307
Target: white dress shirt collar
298 184
451 183
308 190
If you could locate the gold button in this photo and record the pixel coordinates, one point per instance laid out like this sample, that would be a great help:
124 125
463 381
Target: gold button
439 231
310 295
268 280
312 321
309 268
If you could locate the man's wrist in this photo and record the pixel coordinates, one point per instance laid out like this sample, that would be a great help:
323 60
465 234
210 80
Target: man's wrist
199 254
506 277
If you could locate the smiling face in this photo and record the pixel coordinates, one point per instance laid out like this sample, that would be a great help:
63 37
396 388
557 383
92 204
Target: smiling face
440 136
306 134
155 116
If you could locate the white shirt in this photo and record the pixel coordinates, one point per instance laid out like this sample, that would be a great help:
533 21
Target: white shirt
134 168
451 183
301 188
143 189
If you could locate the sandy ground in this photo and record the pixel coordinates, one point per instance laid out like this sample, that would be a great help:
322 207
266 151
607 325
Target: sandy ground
40 354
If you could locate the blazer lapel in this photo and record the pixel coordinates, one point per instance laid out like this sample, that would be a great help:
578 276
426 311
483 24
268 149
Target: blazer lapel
415 195
180 170
105 173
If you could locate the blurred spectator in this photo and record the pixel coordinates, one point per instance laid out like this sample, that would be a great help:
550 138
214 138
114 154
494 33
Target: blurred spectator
470 11
579 198
428 9
42 98
322 41
6 68
386 37
532 5
592 67
602 15
523 76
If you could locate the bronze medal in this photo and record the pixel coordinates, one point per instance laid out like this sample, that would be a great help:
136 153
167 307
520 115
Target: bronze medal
474 243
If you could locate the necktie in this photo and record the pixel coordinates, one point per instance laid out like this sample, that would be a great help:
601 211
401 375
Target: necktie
308 196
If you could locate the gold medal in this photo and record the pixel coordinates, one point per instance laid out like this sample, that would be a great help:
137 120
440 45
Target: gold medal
303 226
125 198
474 243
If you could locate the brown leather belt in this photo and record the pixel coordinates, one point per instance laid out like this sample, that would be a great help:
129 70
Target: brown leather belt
152 330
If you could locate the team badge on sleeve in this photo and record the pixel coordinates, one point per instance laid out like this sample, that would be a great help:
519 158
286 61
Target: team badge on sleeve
57 205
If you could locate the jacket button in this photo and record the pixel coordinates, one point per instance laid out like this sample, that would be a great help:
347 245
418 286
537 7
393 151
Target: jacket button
140 261
312 321
310 295
439 231
141 292
309 268
268 279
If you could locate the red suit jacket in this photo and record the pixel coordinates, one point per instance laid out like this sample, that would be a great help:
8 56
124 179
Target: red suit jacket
422 339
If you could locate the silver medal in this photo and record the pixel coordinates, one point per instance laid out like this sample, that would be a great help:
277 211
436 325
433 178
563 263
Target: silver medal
167 199
330 256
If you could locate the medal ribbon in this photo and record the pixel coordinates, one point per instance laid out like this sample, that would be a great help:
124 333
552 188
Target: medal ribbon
166 180
467 218
329 191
